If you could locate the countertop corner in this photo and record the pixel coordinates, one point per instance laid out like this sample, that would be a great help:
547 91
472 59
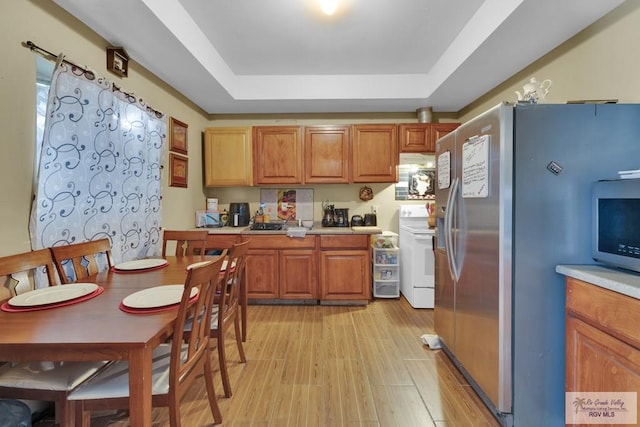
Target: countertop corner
614 279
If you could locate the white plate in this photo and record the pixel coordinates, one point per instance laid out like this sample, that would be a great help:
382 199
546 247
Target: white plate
197 264
141 264
158 296
223 267
53 294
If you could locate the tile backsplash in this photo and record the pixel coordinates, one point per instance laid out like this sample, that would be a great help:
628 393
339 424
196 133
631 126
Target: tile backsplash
288 203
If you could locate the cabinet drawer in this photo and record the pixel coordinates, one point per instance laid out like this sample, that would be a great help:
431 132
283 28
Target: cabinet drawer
385 256
386 289
614 313
279 241
360 241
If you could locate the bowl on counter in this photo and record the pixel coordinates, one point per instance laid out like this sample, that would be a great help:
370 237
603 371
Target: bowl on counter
308 224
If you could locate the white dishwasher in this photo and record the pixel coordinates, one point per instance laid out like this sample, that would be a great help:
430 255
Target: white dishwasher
417 269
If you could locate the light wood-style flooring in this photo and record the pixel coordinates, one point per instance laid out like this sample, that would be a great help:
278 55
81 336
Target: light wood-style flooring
311 365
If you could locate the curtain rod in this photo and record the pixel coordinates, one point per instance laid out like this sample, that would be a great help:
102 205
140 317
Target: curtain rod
34 47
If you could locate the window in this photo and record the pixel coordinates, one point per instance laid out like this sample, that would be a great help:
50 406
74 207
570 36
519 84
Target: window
44 72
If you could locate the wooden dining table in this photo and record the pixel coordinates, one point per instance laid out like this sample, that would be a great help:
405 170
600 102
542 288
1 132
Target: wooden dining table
97 329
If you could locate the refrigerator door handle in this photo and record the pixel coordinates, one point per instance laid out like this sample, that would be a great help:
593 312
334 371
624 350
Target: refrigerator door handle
448 229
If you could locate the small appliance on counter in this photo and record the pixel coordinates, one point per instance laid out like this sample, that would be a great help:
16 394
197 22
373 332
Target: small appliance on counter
329 215
370 220
209 219
342 217
239 214
357 221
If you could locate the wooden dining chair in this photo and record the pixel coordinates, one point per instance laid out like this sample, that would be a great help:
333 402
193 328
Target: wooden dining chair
45 381
227 309
78 261
218 244
19 271
188 242
175 364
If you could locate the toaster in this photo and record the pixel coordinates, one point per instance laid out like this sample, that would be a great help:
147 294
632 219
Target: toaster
370 219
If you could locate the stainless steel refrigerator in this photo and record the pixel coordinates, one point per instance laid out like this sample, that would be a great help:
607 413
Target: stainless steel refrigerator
513 201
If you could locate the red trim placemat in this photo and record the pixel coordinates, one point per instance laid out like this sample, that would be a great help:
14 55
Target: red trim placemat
10 309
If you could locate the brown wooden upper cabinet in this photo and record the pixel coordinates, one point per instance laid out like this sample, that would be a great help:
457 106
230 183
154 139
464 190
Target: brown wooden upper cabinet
375 155
326 154
278 154
227 157
422 137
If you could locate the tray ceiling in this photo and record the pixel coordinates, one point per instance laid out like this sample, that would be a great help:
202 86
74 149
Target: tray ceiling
285 56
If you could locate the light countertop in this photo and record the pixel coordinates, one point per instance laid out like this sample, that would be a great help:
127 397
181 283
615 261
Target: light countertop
617 280
317 229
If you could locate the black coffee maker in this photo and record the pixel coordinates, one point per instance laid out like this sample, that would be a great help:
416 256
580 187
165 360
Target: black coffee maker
328 217
342 217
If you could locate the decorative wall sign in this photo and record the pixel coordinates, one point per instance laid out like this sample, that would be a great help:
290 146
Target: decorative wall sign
177 136
178 170
117 61
416 177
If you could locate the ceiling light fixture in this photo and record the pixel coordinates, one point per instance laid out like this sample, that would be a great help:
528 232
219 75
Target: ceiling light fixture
329 6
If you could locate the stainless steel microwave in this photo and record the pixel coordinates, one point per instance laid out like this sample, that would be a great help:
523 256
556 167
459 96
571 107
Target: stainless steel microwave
616 223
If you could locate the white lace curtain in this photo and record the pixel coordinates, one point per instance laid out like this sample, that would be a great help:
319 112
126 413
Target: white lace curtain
99 169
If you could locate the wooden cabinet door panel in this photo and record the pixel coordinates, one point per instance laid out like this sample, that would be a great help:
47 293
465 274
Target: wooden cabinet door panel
326 152
277 154
261 272
438 130
599 362
416 138
345 275
614 313
298 274
227 157
375 153
422 137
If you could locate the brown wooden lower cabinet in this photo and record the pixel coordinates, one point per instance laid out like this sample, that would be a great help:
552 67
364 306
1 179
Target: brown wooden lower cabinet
324 267
280 267
261 273
602 340
298 274
344 275
345 267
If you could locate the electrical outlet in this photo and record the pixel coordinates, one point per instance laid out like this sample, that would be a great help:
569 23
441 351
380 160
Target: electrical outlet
374 209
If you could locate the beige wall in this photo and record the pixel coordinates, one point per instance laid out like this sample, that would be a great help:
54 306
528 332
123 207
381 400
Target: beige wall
342 196
601 62
47 25
598 63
